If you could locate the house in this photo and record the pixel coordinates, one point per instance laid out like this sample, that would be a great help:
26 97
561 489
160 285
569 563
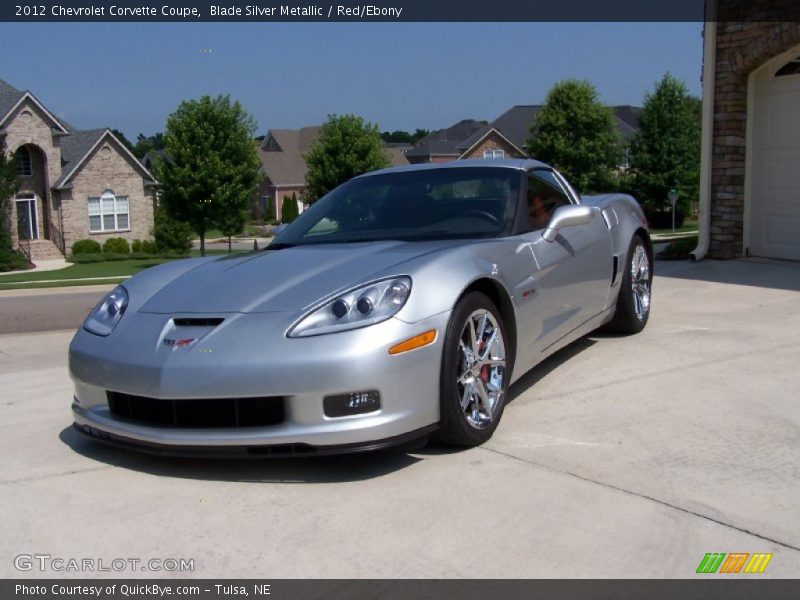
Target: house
506 136
750 148
442 145
283 164
73 184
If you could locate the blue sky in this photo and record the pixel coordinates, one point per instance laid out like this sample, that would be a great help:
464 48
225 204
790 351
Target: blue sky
130 76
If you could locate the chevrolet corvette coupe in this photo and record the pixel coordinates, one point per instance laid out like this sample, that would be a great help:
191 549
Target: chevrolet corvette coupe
400 305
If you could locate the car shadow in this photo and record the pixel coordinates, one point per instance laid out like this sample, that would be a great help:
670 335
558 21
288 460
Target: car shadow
315 469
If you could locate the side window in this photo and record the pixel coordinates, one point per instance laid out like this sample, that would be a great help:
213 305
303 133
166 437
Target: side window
545 195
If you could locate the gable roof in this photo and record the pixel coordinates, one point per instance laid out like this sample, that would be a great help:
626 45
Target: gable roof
445 142
515 123
11 98
286 166
78 146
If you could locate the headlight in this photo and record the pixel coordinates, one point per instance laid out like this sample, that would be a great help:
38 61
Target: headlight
365 305
106 315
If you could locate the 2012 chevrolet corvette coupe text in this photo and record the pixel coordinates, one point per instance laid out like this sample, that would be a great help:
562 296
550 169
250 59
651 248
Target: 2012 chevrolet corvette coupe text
401 304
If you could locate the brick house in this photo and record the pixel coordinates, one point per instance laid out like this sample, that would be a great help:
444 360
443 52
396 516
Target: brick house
73 184
505 137
750 149
283 165
442 145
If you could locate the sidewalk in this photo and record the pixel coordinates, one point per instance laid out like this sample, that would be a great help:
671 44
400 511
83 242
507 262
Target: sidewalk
43 265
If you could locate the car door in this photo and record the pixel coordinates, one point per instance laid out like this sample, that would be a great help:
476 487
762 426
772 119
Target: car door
570 276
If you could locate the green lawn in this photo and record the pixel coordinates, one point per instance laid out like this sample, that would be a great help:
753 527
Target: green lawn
686 227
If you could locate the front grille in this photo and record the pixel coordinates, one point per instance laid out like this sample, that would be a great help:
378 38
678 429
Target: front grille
209 412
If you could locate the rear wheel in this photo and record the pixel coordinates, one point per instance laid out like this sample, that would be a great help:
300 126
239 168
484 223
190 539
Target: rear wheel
633 302
474 376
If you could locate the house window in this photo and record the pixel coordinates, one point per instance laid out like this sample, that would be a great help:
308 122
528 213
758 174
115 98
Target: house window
108 213
494 154
23 159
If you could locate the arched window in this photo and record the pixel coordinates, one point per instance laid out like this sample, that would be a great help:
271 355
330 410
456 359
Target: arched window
790 68
108 212
23 160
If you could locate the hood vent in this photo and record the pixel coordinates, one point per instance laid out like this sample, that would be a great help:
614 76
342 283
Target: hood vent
197 322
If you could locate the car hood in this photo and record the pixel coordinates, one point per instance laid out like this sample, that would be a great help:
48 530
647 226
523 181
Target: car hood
290 279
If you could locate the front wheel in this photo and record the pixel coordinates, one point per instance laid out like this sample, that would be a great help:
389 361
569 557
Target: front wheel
475 372
633 302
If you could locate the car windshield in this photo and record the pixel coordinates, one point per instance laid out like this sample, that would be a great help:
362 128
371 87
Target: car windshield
429 204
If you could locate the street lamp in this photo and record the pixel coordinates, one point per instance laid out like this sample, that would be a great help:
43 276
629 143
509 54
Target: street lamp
673 198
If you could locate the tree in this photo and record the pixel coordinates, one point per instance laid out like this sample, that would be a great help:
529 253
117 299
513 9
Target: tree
213 167
575 133
145 144
123 140
665 152
9 258
171 235
289 210
8 187
347 146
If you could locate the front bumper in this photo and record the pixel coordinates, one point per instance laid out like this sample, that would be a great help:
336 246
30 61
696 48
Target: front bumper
248 355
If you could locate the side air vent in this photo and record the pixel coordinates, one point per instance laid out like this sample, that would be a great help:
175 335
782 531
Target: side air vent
199 322
614 269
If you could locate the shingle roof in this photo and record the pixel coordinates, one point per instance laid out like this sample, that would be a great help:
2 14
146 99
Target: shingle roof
287 166
515 124
446 141
73 148
9 96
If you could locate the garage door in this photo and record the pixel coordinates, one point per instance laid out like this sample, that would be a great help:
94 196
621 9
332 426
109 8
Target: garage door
774 188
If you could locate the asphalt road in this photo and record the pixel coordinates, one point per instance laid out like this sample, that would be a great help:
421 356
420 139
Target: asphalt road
27 311
618 457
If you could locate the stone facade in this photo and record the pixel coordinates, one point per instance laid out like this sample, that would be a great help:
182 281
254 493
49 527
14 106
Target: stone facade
742 45
68 168
29 126
107 169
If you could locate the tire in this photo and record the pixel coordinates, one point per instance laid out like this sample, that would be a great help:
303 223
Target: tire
635 291
473 390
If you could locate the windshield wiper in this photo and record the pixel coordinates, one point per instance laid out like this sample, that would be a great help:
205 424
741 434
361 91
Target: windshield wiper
279 246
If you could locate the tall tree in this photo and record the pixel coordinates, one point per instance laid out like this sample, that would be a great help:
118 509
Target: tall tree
347 146
665 152
213 167
575 133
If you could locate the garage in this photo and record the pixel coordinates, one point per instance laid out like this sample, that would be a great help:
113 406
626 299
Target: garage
772 205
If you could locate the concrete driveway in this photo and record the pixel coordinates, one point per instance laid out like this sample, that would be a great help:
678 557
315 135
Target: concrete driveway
618 457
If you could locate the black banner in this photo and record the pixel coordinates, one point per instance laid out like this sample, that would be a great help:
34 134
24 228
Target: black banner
738 588
357 11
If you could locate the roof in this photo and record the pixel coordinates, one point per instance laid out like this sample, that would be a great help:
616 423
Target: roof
286 163
9 97
76 147
515 124
445 142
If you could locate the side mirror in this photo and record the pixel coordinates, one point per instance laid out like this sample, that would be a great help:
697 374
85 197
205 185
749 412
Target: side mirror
569 216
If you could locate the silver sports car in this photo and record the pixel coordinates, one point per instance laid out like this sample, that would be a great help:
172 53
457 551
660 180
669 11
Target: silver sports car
400 305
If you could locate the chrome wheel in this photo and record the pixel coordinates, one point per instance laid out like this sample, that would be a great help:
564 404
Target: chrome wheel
481 368
640 281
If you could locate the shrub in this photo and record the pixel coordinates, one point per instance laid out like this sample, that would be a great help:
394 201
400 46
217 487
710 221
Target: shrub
144 247
171 235
13 261
117 245
289 210
86 247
